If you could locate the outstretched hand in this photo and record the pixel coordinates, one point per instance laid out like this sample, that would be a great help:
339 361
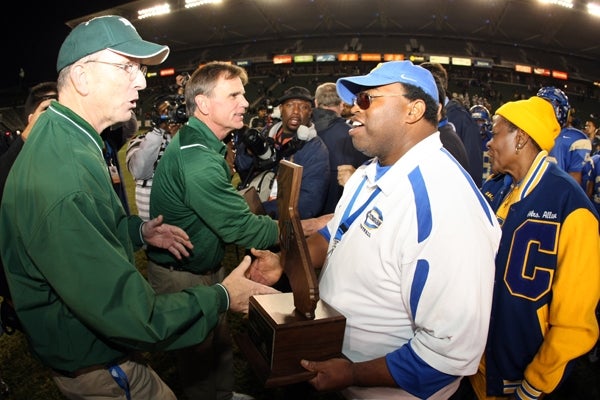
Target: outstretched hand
265 268
166 236
312 225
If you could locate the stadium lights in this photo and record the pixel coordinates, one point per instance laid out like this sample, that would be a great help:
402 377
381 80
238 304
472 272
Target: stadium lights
562 3
166 8
154 11
196 3
594 9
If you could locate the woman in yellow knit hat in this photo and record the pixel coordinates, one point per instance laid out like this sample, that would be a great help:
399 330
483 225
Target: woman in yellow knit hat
548 264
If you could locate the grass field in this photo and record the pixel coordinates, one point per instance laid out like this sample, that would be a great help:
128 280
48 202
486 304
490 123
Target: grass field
28 379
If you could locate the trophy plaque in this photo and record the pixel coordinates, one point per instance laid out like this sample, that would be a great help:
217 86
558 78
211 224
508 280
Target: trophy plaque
284 328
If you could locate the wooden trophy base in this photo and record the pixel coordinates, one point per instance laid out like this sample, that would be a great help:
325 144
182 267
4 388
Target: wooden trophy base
278 337
285 328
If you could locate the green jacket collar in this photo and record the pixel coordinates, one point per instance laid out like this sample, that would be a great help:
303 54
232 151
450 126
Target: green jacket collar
70 116
201 133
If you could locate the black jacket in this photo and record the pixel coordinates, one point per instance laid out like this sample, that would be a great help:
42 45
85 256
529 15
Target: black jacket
453 144
468 131
334 132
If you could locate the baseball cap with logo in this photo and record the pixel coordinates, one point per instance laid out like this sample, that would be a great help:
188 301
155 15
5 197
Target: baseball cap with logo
108 32
385 74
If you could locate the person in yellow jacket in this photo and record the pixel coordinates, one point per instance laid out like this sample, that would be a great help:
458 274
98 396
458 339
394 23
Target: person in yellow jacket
548 263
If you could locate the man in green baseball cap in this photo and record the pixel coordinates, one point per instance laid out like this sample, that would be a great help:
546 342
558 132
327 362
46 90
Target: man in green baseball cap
68 245
109 32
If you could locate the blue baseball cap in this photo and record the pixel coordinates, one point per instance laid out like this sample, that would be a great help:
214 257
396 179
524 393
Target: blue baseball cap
386 73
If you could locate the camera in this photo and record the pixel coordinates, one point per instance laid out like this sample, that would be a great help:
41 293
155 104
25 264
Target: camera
262 148
265 152
170 109
178 113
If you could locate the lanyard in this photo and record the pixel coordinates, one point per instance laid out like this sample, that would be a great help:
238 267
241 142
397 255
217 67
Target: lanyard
348 219
281 138
121 378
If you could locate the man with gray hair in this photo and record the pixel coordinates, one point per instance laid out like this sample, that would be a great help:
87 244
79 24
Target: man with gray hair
192 189
333 130
68 244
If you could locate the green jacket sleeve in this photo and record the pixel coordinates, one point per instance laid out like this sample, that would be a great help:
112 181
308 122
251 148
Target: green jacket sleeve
94 289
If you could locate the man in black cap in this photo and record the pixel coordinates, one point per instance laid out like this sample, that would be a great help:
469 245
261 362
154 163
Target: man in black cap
294 138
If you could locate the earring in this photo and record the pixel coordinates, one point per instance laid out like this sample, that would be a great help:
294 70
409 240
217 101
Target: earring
518 148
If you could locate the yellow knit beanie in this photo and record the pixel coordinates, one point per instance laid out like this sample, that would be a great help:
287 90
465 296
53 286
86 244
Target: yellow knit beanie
536 117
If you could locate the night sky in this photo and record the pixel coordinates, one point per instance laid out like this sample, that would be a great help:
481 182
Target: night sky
38 30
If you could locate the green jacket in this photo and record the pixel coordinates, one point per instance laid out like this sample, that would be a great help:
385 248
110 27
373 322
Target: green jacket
68 248
192 189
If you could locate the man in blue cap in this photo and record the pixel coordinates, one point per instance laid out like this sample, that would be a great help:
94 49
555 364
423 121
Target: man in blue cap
398 258
68 245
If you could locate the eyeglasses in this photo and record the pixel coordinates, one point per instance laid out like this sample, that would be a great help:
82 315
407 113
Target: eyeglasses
131 69
363 99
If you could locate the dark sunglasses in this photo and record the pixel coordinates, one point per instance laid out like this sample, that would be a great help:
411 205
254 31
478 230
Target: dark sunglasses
363 99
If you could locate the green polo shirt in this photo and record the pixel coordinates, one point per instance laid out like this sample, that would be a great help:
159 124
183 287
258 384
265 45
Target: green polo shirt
192 189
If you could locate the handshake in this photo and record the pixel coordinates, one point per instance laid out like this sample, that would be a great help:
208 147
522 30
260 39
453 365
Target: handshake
255 275
252 277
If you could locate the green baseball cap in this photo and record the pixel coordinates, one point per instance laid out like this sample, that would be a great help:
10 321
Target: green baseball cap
110 32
